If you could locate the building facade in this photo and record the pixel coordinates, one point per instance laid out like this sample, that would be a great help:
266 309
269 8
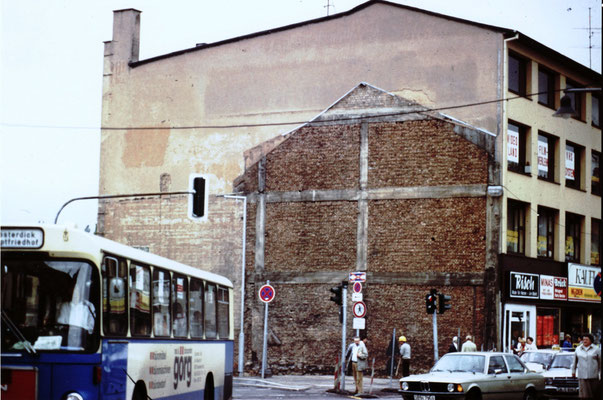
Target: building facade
199 110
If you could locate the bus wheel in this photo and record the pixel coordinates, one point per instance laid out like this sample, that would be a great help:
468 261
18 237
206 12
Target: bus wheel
140 391
208 394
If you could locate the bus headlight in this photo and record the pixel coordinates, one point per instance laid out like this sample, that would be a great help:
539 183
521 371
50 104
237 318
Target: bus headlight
404 385
74 396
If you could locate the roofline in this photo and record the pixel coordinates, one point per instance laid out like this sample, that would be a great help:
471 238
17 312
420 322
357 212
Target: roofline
315 21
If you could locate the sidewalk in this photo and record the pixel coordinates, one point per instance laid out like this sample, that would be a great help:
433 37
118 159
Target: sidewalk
381 386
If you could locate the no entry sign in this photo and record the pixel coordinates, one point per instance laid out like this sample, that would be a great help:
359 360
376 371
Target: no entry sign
267 293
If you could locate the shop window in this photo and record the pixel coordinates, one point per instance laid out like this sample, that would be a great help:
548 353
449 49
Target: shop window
573 229
547 327
573 165
594 242
577 99
546 156
517 139
223 313
594 100
115 319
516 222
161 302
546 87
546 232
595 180
517 74
140 300
196 309
179 305
211 328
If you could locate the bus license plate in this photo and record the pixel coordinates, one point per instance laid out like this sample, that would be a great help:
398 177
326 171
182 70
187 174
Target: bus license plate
424 397
567 389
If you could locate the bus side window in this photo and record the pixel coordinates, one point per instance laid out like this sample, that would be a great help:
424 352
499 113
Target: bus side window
210 311
223 313
196 309
140 300
180 290
115 318
161 302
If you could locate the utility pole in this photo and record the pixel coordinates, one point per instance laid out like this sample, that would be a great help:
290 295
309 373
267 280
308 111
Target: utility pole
331 5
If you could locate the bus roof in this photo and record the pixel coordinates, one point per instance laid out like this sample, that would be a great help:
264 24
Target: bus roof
78 241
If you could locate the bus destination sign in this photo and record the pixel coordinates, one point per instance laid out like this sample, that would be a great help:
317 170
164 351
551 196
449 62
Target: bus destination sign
22 238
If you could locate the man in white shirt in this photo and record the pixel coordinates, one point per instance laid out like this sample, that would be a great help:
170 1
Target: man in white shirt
530 344
359 356
468 345
405 354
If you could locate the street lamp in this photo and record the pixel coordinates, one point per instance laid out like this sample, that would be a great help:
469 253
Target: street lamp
566 110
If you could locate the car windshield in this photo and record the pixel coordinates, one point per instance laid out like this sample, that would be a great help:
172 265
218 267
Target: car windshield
562 361
537 357
48 305
460 363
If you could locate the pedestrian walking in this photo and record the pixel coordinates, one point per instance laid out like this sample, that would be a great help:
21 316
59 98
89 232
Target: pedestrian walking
587 364
359 362
405 355
454 346
468 345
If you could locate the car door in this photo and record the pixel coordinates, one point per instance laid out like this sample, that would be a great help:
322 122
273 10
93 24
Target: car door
519 379
497 386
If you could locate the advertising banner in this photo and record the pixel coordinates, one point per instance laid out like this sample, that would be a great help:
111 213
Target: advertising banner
581 282
553 287
570 164
513 144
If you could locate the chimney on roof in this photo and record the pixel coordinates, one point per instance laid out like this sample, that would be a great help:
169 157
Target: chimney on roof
126 36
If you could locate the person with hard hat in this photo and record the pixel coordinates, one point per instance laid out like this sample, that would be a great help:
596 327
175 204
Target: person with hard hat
405 355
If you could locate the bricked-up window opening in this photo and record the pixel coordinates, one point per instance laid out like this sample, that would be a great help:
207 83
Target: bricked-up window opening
516 222
573 165
140 300
546 87
546 156
595 179
573 230
115 318
211 303
517 74
223 313
161 302
595 258
180 312
577 99
196 309
546 232
517 139
594 100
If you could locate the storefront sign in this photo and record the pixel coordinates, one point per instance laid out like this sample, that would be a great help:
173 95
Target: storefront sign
553 287
581 282
524 285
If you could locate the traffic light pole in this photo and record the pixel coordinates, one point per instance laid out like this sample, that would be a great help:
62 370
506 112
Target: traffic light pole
344 301
435 336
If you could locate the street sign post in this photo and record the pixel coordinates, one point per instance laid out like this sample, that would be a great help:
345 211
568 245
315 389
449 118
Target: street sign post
359 309
357 277
266 294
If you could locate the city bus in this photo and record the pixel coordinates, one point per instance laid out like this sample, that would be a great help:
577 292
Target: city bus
87 318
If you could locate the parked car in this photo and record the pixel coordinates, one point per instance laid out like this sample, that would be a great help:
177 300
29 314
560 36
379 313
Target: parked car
538 360
474 375
558 381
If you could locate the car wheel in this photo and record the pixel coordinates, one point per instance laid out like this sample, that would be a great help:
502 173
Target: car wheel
530 395
474 395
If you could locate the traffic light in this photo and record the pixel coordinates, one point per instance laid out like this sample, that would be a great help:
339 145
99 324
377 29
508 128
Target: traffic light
336 296
430 303
443 303
199 197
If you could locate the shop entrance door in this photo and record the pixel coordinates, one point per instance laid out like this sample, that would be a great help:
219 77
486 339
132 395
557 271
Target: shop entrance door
519 321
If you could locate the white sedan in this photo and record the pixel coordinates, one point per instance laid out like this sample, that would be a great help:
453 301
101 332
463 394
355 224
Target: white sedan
474 375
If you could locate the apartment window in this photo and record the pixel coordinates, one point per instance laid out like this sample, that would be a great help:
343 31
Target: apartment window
516 147
573 228
546 87
594 242
546 156
595 110
516 222
546 232
595 180
573 162
517 74
576 99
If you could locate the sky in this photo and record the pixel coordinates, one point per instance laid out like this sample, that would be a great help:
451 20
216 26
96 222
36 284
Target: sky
51 75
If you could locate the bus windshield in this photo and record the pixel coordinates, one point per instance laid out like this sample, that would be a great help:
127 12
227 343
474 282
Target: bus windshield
49 305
